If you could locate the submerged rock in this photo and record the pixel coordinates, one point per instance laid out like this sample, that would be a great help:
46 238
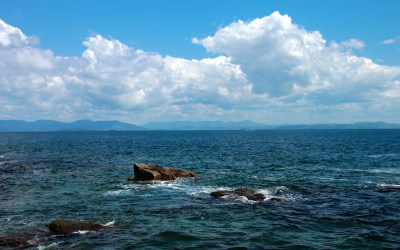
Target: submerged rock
26 166
71 226
151 172
33 237
23 239
15 240
249 194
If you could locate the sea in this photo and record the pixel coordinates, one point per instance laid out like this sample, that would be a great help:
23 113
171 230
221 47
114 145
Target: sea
340 188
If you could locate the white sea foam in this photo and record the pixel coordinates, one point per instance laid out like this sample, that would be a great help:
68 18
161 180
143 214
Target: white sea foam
51 246
245 200
116 192
109 224
385 170
383 155
177 184
280 192
127 188
389 186
83 232
201 190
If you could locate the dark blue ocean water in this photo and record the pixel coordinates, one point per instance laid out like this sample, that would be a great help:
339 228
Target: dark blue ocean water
342 188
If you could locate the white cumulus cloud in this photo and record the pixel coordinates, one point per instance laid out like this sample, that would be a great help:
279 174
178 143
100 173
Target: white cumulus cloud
269 69
282 59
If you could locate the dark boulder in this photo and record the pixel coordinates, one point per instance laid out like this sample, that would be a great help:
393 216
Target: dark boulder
71 226
151 172
237 193
33 237
250 194
23 239
15 240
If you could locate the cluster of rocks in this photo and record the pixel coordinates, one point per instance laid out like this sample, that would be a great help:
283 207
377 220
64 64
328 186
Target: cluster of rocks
249 194
143 172
57 227
151 172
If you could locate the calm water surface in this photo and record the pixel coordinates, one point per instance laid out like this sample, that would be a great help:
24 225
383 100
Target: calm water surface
342 188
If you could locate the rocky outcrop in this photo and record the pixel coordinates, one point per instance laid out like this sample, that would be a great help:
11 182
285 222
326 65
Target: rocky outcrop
23 239
15 240
71 226
59 227
249 194
151 172
237 193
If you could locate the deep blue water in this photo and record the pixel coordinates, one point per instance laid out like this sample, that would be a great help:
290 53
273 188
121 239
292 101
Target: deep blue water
336 184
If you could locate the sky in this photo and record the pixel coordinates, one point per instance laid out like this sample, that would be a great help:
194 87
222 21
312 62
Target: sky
274 62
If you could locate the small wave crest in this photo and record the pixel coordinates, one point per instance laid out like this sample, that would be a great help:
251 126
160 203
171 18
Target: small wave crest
53 245
383 155
388 186
115 192
109 224
179 185
83 232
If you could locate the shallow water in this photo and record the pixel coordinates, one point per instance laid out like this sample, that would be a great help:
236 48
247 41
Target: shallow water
341 187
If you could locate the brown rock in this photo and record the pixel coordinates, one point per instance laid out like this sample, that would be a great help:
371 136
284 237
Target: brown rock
150 172
26 166
22 239
71 226
15 240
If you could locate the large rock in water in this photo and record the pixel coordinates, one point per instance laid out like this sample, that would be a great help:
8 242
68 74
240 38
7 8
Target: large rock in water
71 226
151 172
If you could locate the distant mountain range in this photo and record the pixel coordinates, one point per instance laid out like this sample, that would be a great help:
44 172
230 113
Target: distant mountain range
88 125
52 126
205 125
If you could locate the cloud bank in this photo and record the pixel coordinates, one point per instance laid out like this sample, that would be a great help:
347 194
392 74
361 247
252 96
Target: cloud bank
269 70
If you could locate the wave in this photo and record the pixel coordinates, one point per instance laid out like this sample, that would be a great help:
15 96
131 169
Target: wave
384 155
180 185
53 245
189 187
83 232
388 186
385 170
109 224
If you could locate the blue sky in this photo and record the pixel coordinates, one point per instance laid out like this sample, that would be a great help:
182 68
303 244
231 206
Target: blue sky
140 61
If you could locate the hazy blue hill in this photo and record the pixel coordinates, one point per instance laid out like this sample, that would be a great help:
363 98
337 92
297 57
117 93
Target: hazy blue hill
103 125
88 125
358 125
52 126
205 125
